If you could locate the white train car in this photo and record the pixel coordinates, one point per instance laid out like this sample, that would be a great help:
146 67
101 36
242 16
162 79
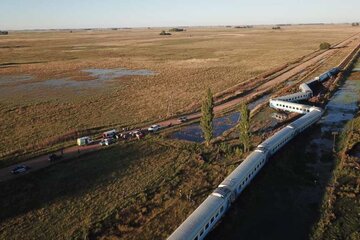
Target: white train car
289 106
204 218
307 120
245 172
278 140
296 97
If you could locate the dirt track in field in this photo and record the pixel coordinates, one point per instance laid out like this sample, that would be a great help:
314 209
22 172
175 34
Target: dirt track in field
248 89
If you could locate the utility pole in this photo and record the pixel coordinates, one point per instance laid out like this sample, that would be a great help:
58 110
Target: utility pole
334 134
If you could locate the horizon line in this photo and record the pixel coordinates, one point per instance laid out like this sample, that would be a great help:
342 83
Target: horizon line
184 26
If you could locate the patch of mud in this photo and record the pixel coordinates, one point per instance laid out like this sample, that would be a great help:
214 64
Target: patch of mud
10 79
259 101
110 74
19 83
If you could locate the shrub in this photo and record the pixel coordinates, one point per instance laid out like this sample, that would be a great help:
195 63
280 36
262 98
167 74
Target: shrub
164 33
325 45
207 116
238 152
176 30
244 127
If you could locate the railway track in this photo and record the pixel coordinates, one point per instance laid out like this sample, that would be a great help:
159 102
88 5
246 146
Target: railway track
208 214
250 91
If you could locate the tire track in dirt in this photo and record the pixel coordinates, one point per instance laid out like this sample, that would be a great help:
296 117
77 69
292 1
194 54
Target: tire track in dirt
250 89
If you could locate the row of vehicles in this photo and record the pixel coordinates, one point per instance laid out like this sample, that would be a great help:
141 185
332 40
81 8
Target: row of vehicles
108 138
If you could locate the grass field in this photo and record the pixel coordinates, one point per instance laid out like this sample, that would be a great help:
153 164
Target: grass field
341 206
131 189
340 210
127 191
184 65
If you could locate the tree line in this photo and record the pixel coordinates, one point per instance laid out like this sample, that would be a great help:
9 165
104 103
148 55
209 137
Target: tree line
207 117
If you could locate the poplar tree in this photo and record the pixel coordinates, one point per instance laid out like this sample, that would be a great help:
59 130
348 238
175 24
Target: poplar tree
207 116
244 127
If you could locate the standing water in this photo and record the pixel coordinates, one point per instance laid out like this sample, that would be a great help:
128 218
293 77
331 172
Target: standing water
193 131
284 200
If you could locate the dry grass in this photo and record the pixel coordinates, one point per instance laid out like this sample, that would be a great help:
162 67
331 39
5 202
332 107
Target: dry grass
125 192
128 191
186 63
340 209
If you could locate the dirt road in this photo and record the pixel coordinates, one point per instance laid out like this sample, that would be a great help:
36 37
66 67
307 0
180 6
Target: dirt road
42 161
347 45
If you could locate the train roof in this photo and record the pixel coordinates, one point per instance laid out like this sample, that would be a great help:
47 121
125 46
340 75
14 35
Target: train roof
197 220
292 96
275 138
248 164
307 117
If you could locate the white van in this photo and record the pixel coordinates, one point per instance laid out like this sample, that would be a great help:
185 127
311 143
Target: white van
83 141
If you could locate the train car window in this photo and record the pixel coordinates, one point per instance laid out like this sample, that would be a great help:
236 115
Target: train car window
207 226
217 214
196 238
222 209
212 219
202 232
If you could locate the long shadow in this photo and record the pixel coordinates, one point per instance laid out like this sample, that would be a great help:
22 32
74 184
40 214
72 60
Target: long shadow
283 200
66 179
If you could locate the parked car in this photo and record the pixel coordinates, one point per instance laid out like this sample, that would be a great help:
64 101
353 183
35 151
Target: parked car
20 169
110 134
107 141
139 134
54 157
84 141
154 128
182 119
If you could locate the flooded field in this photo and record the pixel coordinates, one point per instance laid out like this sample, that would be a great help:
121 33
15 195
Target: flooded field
10 79
193 131
99 77
294 181
110 74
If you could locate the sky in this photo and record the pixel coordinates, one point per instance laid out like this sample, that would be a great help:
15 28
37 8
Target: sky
52 14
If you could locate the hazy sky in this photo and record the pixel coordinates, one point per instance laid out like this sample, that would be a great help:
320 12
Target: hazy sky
30 14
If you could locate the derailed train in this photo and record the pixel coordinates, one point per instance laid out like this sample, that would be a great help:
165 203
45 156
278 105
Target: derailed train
204 218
